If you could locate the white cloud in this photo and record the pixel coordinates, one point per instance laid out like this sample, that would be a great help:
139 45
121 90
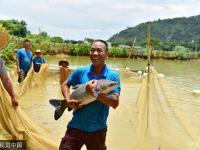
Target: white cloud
92 18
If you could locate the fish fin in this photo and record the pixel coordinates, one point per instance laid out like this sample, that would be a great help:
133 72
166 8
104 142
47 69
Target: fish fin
55 102
96 93
69 108
60 110
60 106
75 87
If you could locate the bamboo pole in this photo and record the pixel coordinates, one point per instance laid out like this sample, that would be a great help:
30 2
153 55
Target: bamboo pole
148 66
132 48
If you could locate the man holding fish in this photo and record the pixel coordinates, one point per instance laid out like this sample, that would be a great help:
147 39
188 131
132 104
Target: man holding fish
88 125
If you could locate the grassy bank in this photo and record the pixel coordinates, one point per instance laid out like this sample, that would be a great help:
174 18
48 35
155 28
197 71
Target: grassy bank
82 49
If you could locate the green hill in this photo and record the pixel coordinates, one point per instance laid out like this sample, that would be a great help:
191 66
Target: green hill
183 31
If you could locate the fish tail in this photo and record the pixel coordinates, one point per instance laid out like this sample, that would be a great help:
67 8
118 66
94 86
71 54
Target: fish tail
60 106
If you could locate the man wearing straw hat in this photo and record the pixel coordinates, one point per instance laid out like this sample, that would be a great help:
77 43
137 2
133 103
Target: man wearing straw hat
64 71
38 60
3 73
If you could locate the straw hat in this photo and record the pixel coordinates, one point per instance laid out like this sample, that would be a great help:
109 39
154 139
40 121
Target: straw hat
38 51
63 61
4 39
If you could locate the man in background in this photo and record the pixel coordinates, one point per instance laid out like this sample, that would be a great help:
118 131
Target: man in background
24 60
38 60
64 70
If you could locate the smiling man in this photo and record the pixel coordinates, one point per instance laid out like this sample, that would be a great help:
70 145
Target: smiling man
88 125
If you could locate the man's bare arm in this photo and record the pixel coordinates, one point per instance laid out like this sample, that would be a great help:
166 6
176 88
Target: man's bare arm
112 100
9 88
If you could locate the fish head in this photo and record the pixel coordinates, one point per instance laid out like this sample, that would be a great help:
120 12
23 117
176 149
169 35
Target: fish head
106 86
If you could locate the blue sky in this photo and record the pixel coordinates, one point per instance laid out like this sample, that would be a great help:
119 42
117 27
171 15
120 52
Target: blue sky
76 19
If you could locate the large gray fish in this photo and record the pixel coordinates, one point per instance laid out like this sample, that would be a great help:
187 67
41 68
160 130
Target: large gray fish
79 93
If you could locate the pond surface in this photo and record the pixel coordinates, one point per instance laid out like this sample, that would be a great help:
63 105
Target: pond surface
121 121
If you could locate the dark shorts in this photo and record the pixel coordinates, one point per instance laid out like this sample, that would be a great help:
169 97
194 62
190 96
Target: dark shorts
74 139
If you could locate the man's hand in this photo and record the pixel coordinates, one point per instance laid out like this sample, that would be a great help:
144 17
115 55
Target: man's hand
18 70
14 102
72 103
90 87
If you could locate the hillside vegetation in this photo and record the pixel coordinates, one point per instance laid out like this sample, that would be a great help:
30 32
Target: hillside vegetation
165 34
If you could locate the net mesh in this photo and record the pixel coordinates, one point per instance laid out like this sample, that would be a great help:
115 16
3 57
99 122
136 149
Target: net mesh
15 124
167 115
33 79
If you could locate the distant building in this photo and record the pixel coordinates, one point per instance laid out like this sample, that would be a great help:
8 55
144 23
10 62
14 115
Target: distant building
137 47
138 51
85 41
109 44
124 46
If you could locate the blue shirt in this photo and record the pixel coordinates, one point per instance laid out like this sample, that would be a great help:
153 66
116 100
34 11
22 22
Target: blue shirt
37 61
25 59
93 116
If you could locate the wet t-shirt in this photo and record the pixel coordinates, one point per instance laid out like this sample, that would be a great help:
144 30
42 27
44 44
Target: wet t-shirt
25 59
